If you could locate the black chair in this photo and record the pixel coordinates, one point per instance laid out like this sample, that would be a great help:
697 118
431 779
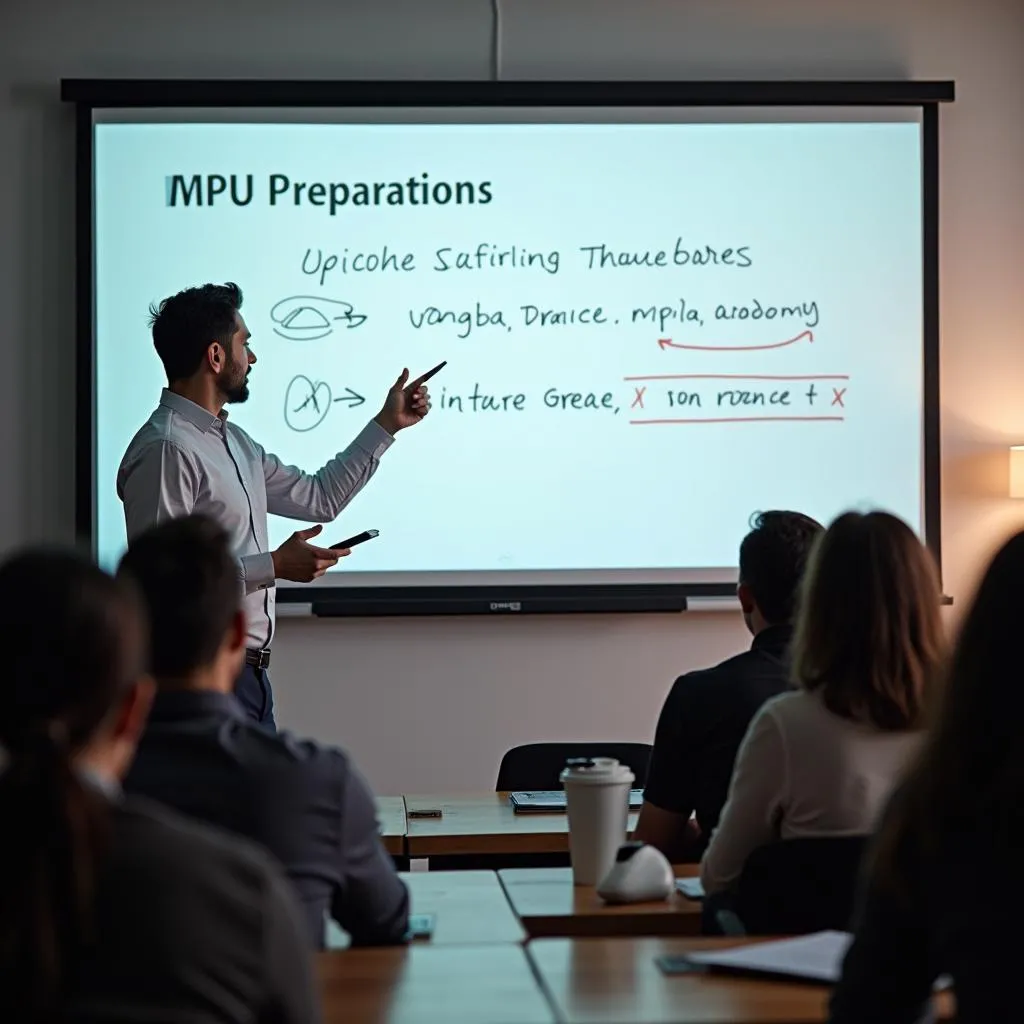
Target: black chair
792 887
536 766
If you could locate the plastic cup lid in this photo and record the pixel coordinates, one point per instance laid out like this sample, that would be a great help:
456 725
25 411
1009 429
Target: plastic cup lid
596 770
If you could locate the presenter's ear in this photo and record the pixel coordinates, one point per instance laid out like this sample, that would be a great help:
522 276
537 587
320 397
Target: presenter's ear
216 356
746 597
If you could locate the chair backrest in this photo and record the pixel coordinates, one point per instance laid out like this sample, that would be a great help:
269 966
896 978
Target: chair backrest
536 766
798 886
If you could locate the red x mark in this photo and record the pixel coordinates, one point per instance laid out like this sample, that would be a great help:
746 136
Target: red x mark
837 397
639 400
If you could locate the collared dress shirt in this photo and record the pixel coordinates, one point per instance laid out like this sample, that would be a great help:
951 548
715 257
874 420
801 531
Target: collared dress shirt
185 460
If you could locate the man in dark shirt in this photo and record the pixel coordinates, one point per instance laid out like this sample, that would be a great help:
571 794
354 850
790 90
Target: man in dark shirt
304 802
706 713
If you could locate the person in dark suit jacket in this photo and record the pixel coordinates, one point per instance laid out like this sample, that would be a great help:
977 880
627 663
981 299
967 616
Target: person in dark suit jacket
707 713
303 801
113 909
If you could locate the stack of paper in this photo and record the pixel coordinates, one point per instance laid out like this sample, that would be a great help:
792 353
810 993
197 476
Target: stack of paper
817 957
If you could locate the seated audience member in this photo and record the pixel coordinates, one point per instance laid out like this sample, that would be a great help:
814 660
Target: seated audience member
707 713
112 909
823 760
306 803
958 817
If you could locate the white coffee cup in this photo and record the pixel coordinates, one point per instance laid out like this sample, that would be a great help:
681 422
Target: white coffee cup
597 802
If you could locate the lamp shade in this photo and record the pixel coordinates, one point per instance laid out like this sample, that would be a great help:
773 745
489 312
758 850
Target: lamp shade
1017 471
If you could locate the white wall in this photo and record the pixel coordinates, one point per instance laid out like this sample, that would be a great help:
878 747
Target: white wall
431 704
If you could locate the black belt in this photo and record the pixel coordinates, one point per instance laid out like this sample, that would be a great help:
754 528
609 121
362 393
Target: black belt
259 659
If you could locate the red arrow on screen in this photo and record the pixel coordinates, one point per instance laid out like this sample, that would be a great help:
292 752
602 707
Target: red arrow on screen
664 343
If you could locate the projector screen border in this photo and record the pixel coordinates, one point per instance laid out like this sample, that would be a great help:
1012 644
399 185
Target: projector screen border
89 95
177 92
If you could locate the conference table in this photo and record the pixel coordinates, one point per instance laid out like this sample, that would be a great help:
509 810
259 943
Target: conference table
572 981
392 821
480 824
468 907
526 945
422 984
607 981
484 907
548 904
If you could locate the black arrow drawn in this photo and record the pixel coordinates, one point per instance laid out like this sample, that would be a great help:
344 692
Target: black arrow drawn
352 398
312 317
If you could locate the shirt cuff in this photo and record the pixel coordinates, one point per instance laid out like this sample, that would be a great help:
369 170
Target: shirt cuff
374 439
258 571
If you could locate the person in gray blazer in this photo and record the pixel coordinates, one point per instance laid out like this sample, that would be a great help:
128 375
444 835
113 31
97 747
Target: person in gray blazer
303 801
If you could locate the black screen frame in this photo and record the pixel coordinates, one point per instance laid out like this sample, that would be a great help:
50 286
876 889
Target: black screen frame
89 95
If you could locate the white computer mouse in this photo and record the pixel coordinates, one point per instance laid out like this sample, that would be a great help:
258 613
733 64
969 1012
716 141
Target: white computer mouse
641 873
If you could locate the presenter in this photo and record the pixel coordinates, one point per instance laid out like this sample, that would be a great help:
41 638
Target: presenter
188 458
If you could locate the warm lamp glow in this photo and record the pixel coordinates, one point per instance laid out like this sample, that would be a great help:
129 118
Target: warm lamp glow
1017 471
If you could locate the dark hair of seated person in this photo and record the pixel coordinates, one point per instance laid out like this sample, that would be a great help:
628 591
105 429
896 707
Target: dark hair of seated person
773 558
189 580
74 644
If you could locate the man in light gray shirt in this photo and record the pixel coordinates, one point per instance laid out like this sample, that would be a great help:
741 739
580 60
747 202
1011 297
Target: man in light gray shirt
188 458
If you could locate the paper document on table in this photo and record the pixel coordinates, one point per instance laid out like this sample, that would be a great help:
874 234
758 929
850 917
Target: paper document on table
691 888
817 957
547 801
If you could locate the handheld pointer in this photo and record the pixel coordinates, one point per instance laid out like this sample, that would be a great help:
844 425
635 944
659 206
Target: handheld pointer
359 538
430 373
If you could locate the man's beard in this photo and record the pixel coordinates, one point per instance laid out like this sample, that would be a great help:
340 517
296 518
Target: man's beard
234 383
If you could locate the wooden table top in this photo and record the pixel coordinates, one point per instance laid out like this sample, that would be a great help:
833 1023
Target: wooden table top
483 823
549 905
469 908
424 984
391 815
607 981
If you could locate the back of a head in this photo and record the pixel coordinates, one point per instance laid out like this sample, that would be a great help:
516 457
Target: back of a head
190 586
186 324
869 634
773 557
74 644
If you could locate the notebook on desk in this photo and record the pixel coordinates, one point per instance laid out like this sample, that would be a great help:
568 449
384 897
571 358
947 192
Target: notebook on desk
817 957
814 958
552 801
691 888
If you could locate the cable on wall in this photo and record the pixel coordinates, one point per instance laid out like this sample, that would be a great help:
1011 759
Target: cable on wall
496 40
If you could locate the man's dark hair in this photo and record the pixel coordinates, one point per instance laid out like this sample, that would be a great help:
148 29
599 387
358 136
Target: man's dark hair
773 557
190 586
185 325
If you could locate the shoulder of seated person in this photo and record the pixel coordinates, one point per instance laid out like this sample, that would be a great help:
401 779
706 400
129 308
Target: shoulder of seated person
287 748
185 841
791 705
715 674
